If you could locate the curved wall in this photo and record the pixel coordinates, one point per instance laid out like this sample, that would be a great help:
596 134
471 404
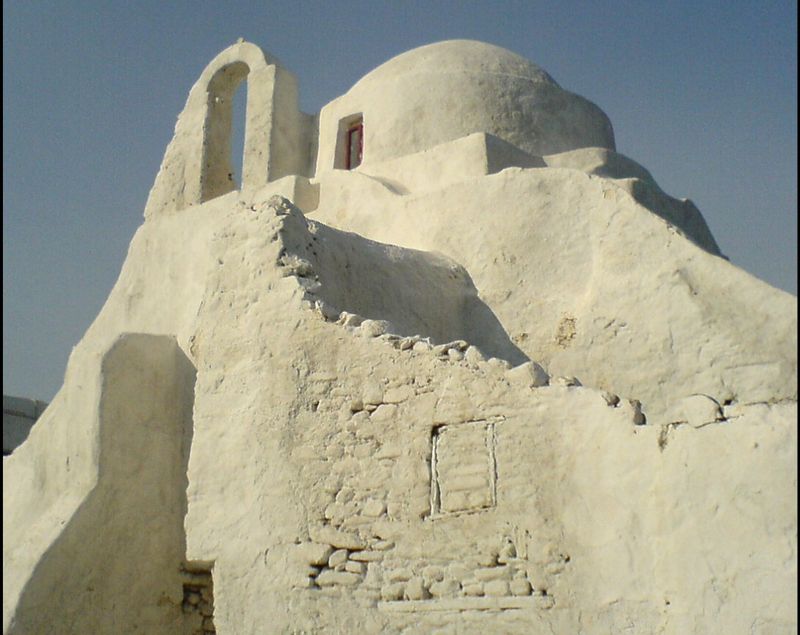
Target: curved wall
446 91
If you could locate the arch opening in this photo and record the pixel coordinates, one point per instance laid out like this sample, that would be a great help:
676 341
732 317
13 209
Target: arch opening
219 172
237 133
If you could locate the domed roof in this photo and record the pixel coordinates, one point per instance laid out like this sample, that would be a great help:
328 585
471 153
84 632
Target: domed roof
445 91
457 56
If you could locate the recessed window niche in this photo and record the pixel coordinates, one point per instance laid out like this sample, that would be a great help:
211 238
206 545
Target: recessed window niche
463 468
349 142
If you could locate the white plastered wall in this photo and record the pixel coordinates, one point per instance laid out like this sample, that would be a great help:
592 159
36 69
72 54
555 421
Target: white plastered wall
422 105
279 139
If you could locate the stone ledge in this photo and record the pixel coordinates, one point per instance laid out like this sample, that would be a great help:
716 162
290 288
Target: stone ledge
468 604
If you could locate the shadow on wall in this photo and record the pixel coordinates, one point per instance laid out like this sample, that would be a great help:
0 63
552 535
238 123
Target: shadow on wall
418 292
116 566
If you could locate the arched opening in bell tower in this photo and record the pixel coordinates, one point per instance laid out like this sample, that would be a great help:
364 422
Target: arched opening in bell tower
227 99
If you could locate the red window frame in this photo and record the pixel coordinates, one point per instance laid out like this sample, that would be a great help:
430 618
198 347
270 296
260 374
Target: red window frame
355 128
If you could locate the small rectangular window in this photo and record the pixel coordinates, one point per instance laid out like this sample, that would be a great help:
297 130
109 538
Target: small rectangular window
355 144
463 468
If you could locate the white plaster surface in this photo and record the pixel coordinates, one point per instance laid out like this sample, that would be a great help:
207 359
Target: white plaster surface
445 91
480 387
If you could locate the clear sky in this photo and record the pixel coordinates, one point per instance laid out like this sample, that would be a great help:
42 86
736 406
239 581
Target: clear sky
703 94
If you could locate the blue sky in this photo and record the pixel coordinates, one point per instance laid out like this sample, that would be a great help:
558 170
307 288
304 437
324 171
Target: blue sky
703 94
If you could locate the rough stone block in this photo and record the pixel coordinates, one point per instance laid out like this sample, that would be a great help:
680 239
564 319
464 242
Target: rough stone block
416 590
373 508
337 557
492 573
473 589
496 588
384 412
454 355
399 575
398 394
336 538
367 556
355 567
393 592
372 393
345 578
445 588
433 572
383 545
373 328
520 587
314 553
473 356
530 375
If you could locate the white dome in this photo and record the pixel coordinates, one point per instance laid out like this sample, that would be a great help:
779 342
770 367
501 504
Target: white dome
445 91
457 55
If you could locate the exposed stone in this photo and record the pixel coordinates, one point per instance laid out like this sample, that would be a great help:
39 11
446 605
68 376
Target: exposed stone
398 394
507 553
337 557
498 363
366 556
520 587
334 510
295 266
336 538
373 393
328 313
314 553
416 590
383 545
345 495
373 508
393 592
374 577
344 578
529 374
349 319
698 410
355 567
373 328
433 573
496 588
384 412
492 573
474 589
402 575
473 356
445 588
487 559
407 343
459 570
455 355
